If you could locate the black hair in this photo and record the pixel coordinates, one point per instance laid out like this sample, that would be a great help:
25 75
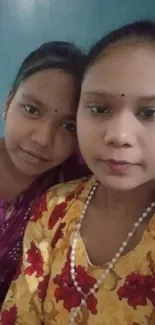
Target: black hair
143 30
52 55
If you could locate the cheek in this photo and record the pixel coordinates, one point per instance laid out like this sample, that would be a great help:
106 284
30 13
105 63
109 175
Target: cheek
86 133
15 131
86 144
149 156
147 144
69 147
11 132
65 146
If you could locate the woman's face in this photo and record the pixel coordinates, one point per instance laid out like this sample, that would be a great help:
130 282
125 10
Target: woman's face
116 116
40 130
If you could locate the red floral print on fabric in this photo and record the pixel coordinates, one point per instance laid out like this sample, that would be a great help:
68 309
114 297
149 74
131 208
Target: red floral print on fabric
42 287
9 317
70 196
137 289
35 259
75 193
38 208
60 210
58 234
79 190
66 291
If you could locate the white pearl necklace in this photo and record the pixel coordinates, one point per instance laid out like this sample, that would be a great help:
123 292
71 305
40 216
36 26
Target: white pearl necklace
110 265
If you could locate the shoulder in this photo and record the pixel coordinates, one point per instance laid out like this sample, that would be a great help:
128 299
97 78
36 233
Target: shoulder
65 190
56 200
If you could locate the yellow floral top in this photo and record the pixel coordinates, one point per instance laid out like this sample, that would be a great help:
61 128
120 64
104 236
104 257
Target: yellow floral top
43 292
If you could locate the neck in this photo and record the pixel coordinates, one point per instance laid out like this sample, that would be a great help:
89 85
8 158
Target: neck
13 182
124 204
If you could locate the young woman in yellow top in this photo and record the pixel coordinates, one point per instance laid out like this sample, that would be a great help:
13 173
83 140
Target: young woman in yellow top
89 249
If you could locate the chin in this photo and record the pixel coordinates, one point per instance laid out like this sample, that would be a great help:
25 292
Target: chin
120 183
30 171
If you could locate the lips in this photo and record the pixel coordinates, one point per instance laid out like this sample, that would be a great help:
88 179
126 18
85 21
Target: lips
118 166
119 162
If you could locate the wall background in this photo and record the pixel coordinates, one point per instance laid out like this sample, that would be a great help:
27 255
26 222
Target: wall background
25 24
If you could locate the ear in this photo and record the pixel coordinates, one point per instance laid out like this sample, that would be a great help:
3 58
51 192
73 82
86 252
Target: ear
7 104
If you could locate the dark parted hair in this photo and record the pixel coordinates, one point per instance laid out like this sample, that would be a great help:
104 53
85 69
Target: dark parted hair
143 30
52 55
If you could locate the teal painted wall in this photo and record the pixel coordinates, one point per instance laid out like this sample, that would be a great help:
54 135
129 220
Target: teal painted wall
25 24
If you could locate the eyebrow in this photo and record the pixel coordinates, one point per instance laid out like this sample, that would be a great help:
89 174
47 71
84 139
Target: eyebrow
99 94
95 93
102 94
70 117
151 97
31 98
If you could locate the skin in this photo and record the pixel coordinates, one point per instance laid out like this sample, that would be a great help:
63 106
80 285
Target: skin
40 131
122 128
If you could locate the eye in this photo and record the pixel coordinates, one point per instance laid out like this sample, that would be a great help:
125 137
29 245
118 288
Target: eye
147 114
99 109
31 110
69 126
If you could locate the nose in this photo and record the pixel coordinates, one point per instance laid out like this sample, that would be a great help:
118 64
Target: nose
44 135
121 131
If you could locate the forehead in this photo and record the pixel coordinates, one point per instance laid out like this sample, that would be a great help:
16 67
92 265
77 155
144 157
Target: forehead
124 68
50 88
49 79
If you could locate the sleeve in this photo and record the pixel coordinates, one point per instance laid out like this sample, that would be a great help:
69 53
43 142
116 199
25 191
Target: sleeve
24 302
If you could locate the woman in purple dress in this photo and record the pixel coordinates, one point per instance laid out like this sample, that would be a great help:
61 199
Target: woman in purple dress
39 145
